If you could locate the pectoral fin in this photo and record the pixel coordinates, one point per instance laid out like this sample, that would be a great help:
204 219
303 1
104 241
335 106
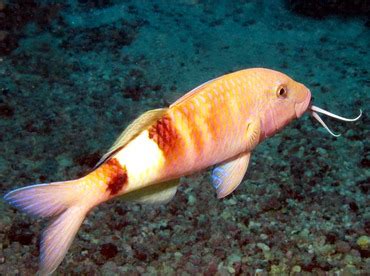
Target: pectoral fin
159 193
228 175
253 134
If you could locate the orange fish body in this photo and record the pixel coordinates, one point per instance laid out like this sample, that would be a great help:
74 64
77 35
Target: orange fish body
218 123
215 122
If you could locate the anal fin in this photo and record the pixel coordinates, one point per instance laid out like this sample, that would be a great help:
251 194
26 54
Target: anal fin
159 193
227 176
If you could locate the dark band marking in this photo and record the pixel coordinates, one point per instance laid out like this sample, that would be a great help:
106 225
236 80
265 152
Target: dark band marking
118 176
164 134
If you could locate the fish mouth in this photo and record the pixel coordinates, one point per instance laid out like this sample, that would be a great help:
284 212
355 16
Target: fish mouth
301 108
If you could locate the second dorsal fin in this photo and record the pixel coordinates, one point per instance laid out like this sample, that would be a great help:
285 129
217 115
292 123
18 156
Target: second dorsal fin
133 130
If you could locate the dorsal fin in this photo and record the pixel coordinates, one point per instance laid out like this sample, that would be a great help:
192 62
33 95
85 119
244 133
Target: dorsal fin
193 91
133 130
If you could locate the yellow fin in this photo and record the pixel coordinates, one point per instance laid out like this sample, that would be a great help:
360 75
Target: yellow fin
133 130
159 193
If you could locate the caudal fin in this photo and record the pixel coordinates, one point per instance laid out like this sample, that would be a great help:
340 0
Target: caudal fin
67 202
58 237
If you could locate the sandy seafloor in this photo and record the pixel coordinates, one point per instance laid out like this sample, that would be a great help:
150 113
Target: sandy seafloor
79 74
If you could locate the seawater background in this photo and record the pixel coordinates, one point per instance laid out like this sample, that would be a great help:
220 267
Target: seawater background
73 74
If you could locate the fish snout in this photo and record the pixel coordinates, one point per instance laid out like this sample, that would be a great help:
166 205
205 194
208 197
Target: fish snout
302 107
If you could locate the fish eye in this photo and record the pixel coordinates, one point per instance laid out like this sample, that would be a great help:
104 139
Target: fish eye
282 92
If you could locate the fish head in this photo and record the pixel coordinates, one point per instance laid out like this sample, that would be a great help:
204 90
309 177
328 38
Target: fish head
282 100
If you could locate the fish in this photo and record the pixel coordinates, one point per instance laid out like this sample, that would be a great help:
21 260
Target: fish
216 125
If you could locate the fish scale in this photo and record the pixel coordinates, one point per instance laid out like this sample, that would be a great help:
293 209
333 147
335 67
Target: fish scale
213 123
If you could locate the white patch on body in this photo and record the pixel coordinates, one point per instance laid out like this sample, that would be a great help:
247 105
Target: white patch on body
143 160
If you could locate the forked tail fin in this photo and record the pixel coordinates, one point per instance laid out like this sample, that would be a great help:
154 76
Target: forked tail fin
68 202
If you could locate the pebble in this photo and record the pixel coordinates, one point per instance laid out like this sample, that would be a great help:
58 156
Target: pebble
226 214
223 271
109 268
352 258
322 151
108 250
64 161
234 258
263 236
178 255
231 201
263 246
296 269
363 242
140 269
151 270
167 270
342 247
230 269
192 200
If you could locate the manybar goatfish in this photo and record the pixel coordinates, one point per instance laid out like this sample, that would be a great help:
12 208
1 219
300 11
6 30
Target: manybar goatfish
219 123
